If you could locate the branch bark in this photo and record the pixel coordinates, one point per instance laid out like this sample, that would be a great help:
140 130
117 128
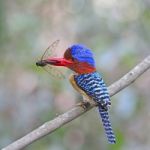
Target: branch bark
75 112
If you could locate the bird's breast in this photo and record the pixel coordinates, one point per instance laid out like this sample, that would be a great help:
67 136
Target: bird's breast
78 88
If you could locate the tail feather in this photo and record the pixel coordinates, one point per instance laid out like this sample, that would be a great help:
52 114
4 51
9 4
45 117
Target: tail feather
107 126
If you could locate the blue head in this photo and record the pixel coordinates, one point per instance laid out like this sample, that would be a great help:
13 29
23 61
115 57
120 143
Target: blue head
82 54
81 58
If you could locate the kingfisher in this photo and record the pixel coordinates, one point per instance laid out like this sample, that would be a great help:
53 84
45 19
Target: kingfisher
87 81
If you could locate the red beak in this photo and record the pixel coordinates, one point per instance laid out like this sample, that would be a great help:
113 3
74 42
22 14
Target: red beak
59 62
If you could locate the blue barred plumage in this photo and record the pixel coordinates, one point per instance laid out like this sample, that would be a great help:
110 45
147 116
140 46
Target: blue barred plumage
93 85
107 125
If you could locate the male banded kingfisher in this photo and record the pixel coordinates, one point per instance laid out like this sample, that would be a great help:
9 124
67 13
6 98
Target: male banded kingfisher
86 80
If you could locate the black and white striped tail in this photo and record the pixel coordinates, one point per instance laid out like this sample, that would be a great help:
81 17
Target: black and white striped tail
107 126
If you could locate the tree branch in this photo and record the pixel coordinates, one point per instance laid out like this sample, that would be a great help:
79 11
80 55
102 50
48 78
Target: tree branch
75 112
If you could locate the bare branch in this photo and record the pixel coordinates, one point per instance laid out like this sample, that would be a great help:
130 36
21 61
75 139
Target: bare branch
75 112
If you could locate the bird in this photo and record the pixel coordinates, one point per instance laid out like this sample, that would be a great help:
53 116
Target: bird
87 81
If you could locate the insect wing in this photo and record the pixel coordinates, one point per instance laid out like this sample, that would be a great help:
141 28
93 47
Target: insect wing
50 50
57 74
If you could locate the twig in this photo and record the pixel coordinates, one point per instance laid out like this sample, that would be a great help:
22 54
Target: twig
75 112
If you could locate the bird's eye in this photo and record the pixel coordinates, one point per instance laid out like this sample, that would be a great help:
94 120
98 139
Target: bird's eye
72 59
67 54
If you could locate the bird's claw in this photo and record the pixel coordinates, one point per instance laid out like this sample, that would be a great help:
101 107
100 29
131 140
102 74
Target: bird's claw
84 105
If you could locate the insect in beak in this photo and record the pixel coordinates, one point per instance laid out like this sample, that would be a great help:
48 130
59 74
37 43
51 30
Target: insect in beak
41 63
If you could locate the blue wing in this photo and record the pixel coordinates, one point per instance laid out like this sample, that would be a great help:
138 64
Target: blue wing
94 87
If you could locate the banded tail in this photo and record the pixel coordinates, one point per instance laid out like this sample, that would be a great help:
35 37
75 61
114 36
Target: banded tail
107 126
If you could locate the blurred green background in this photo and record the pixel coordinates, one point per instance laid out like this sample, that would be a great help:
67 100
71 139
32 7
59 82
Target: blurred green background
118 32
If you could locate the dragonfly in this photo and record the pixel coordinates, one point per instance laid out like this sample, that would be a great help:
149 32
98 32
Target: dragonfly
49 52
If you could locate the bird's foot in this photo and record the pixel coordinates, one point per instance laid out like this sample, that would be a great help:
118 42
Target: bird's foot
84 105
